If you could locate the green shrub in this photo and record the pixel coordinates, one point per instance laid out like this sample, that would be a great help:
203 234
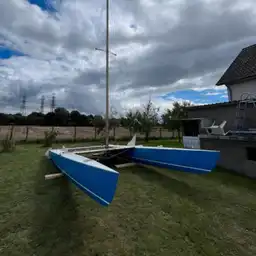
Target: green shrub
50 137
8 144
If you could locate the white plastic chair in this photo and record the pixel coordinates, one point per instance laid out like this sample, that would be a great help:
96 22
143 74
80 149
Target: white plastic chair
217 129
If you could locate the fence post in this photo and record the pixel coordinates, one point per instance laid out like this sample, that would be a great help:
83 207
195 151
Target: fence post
74 136
160 131
114 133
11 132
27 130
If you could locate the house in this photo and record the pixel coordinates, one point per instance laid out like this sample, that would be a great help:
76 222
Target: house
240 80
240 77
236 141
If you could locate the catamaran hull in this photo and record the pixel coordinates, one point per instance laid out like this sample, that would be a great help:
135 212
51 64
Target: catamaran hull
100 181
96 180
187 160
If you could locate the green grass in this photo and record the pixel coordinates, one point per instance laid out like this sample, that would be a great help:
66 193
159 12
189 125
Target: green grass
153 213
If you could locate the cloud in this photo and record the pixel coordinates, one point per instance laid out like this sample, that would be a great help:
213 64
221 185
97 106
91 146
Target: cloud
187 47
212 93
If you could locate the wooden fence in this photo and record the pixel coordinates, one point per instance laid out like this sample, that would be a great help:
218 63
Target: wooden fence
34 133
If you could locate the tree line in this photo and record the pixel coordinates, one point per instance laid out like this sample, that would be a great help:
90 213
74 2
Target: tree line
60 117
142 120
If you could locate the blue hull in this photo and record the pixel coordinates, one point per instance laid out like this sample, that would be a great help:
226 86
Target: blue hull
100 182
96 180
188 160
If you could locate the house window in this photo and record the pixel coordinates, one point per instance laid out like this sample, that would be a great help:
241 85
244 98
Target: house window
251 153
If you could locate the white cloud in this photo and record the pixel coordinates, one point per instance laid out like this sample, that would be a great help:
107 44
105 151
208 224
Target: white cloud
188 46
212 93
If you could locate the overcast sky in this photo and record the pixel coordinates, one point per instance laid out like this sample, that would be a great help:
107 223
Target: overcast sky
166 49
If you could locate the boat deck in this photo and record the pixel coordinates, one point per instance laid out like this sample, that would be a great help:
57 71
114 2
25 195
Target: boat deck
95 149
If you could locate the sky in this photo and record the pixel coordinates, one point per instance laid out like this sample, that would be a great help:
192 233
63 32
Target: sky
166 51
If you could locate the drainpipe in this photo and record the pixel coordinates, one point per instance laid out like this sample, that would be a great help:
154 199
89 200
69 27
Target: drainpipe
229 93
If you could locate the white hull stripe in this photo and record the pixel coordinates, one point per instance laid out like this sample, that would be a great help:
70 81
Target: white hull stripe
164 163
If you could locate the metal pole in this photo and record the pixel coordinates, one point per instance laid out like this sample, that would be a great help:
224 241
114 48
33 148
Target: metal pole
107 73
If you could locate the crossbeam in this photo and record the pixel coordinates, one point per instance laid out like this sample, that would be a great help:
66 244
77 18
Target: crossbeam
125 165
98 150
53 176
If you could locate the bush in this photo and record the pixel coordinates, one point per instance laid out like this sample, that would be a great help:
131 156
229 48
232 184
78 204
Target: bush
50 138
8 144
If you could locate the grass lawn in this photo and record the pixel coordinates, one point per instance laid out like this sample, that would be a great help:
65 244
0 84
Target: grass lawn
153 213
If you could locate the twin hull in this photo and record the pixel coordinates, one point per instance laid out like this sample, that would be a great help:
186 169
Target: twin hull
100 182
187 160
95 179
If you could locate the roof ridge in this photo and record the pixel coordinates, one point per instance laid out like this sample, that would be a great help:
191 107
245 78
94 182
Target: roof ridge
241 68
250 46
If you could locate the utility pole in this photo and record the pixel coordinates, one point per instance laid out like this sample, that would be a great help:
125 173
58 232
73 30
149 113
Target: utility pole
53 103
23 105
42 105
107 73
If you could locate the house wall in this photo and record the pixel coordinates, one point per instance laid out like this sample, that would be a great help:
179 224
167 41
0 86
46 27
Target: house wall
219 113
238 89
233 154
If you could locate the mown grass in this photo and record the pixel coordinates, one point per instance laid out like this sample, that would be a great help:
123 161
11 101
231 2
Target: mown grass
153 213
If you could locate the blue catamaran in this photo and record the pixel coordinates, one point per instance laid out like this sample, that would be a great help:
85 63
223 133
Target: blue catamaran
82 164
100 181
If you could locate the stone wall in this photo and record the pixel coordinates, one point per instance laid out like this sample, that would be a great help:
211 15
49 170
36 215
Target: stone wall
233 152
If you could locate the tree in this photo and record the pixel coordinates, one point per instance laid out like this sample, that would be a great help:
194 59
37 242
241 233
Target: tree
172 118
143 120
148 118
114 121
61 116
89 120
131 121
75 117
4 119
98 123
35 118
49 119
85 121
19 119
113 124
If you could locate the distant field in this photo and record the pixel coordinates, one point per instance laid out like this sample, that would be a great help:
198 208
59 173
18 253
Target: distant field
37 132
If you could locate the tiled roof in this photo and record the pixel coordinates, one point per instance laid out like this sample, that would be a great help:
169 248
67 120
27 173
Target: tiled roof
242 68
